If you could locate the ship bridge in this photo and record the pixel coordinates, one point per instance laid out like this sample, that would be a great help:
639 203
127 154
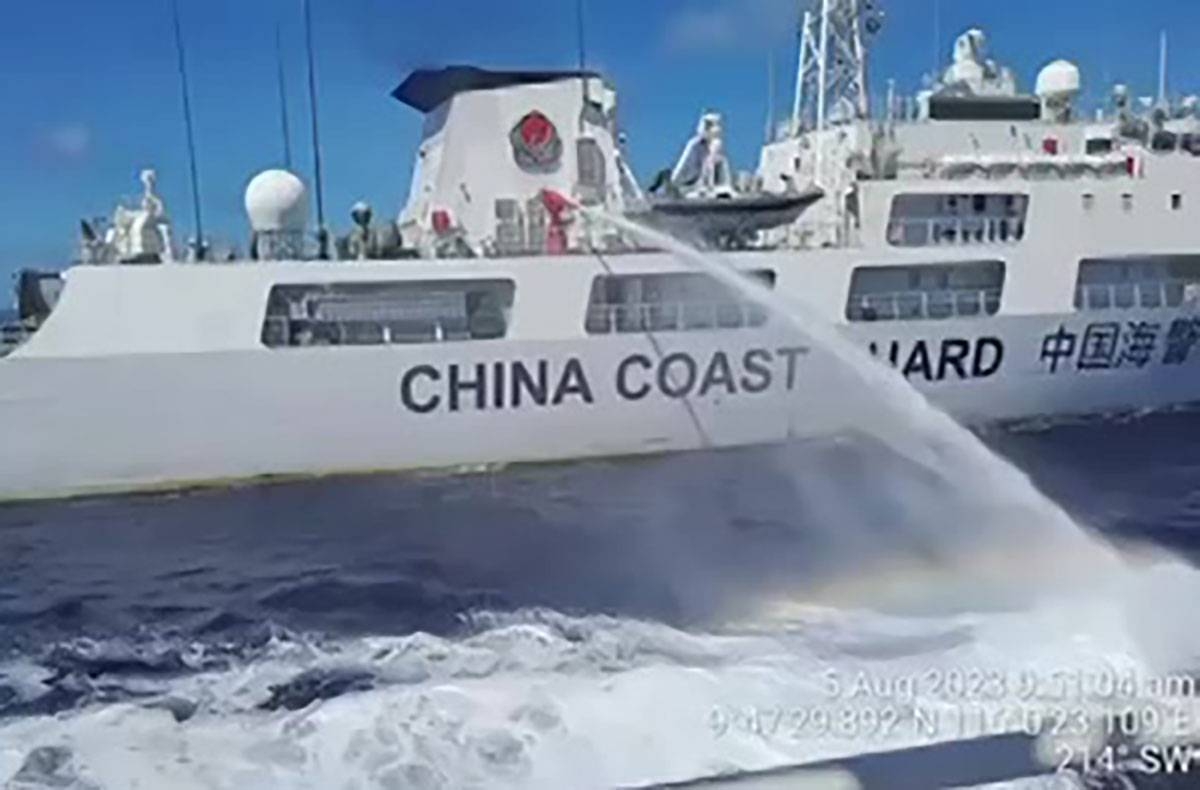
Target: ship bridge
494 144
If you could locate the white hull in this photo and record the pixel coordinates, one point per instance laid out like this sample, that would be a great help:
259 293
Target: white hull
1013 264
72 425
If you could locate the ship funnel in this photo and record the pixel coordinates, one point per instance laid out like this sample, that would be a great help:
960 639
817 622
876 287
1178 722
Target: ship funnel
277 204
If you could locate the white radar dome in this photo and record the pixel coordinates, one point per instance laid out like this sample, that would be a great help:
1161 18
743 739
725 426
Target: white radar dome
277 200
1058 80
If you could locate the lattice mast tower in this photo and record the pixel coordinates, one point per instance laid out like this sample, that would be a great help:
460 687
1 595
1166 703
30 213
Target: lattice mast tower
831 73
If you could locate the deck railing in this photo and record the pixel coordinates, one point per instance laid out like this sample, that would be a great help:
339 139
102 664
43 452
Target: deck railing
283 332
953 231
1130 295
924 305
605 319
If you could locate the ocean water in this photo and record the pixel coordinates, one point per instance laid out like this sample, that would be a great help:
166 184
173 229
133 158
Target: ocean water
588 625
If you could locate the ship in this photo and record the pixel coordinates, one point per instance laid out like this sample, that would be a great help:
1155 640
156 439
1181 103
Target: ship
1009 254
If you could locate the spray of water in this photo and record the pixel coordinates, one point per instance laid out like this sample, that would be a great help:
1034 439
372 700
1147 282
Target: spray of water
1025 532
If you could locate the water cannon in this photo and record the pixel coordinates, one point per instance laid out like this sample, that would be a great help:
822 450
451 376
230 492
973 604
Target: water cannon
1120 96
360 214
360 244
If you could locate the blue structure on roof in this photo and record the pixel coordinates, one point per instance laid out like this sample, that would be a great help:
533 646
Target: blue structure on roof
426 89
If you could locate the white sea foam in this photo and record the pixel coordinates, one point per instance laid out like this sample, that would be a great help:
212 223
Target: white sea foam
537 699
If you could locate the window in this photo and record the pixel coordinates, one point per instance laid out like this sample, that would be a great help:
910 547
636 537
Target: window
934 219
1137 281
925 292
510 228
378 313
1127 201
1089 200
1164 141
1176 201
1098 146
670 303
593 173
984 108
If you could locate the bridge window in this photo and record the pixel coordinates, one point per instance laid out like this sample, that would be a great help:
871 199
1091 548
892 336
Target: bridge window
379 313
1164 141
593 178
510 228
925 292
941 219
670 303
1138 281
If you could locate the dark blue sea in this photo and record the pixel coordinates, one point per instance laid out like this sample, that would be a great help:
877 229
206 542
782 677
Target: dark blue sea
597 624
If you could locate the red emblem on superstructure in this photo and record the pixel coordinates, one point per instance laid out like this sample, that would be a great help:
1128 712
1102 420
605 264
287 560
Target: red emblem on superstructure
536 144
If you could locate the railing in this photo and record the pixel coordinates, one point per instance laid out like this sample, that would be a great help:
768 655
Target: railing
11 336
280 332
923 305
1126 296
812 234
951 231
631 317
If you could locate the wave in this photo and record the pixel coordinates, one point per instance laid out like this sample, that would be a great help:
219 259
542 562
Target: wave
532 698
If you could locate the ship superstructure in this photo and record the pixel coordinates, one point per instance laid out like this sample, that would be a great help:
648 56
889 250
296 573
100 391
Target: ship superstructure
1011 258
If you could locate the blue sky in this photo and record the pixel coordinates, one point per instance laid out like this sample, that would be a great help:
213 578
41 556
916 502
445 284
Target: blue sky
91 95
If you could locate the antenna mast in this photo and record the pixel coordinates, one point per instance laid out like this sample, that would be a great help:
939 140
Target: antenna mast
1162 69
200 249
937 37
832 67
322 233
581 39
285 124
770 131
581 42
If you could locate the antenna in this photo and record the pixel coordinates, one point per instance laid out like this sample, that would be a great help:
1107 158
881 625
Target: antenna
322 233
284 123
199 248
1162 68
581 38
803 66
770 133
832 71
937 37
581 43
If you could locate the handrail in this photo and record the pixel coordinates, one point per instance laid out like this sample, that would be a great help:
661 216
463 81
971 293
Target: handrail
350 333
948 231
924 305
1129 295
629 317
